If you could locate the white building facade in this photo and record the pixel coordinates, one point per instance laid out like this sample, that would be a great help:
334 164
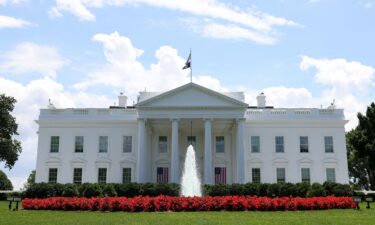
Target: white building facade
234 143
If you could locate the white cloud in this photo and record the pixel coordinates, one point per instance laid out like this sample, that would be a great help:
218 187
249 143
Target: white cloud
247 24
11 22
30 98
29 57
348 82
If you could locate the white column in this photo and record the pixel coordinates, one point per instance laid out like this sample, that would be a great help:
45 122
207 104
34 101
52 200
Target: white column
207 152
142 158
175 158
240 153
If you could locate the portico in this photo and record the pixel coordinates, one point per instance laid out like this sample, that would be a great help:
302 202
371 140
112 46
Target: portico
175 118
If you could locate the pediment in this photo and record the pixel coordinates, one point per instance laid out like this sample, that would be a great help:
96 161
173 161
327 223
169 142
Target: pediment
191 95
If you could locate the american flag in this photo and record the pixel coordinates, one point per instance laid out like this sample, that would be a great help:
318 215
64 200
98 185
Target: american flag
220 175
162 175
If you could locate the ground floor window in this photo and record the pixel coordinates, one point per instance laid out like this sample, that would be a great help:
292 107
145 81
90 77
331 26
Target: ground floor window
220 175
126 175
255 175
102 175
162 174
77 175
331 175
305 175
280 175
52 175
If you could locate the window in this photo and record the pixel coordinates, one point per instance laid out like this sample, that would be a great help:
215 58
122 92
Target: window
127 144
279 143
102 175
280 175
55 141
103 144
162 175
220 145
328 144
255 174
191 140
126 175
255 144
163 144
304 144
331 176
220 175
77 176
52 175
305 175
78 146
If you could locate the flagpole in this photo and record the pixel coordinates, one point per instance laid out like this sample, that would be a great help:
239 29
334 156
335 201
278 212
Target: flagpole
191 68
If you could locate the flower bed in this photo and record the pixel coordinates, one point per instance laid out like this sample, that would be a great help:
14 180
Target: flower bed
170 203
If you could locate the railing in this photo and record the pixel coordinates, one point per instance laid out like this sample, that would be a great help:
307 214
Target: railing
86 112
295 113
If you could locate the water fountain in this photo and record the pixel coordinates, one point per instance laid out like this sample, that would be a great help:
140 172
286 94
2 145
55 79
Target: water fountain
190 183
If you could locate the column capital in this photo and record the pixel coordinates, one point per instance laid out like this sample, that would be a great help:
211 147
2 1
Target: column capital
208 119
174 119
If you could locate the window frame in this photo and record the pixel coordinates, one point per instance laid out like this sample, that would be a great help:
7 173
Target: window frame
127 147
279 145
52 173
218 143
258 180
334 174
77 175
330 145
77 144
54 145
303 147
100 144
101 175
162 143
278 172
255 144
128 173
303 178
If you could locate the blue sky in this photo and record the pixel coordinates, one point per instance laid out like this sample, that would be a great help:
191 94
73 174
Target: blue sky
82 53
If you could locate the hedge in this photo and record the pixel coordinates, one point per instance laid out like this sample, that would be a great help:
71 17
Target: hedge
44 190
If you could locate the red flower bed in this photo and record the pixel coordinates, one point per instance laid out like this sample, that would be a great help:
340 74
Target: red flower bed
207 203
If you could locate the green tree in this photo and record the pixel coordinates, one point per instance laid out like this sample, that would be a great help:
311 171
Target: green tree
9 147
5 183
30 180
361 150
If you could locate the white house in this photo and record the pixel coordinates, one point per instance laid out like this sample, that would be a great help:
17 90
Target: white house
234 142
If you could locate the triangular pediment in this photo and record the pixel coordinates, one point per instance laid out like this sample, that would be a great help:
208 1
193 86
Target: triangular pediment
192 95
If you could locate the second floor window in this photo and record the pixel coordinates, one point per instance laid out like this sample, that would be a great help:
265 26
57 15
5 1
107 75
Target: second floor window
255 144
55 142
328 144
103 144
127 144
304 144
220 145
279 143
163 144
78 146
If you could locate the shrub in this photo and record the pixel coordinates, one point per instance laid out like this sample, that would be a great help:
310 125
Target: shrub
273 190
92 190
70 190
251 189
263 189
288 189
109 190
317 190
302 189
218 190
342 190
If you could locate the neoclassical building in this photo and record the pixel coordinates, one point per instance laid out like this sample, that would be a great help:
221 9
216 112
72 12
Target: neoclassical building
234 142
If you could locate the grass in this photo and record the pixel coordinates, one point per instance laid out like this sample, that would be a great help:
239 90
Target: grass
324 217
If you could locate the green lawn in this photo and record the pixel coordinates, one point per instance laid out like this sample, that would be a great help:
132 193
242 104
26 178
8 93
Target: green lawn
334 217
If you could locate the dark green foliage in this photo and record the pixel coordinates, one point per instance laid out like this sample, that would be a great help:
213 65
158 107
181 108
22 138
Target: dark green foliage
263 189
109 190
236 189
30 179
5 183
92 190
317 190
9 147
361 150
302 189
44 190
70 190
217 190
273 190
251 189
288 189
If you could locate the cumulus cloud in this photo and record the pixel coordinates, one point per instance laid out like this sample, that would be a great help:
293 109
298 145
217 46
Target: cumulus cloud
30 57
349 82
11 22
245 24
31 97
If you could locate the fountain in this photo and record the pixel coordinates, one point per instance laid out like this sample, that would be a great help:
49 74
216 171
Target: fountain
190 183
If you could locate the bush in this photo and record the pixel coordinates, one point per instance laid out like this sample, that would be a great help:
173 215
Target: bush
342 190
92 190
109 190
288 190
317 190
263 189
44 190
273 190
302 189
251 189
70 190
218 190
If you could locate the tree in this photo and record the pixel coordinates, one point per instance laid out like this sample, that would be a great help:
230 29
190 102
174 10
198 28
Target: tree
30 180
361 150
5 183
9 147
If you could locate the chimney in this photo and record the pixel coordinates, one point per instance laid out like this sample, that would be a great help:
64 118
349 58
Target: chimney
122 100
261 100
